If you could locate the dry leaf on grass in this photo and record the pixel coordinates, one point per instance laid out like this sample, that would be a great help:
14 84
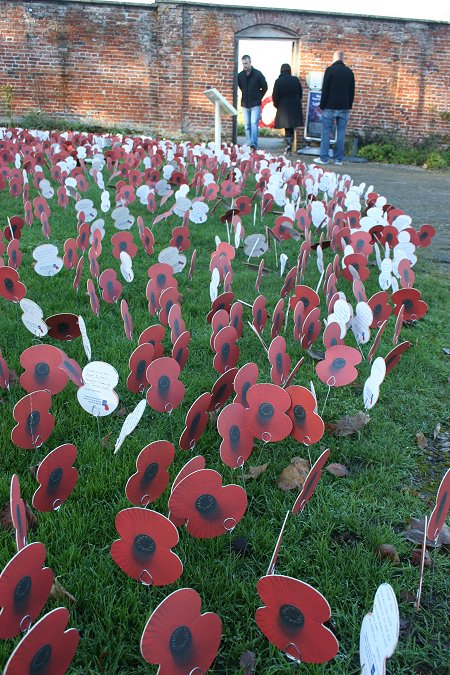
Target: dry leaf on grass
105 440
317 356
416 557
247 662
255 471
59 592
421 440
294 474
350 424
338 470
121 412
388 551
416 531
13 378
437 430
406 596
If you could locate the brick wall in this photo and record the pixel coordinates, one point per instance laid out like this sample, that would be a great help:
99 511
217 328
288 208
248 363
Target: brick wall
147 66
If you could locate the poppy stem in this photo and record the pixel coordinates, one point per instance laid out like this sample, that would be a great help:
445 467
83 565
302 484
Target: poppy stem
326 399
422 562
320 281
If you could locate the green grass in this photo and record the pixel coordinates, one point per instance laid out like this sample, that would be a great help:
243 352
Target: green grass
372 505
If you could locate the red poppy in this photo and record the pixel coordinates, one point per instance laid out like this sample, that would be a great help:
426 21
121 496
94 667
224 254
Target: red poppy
180 238
194 464
259 313
34 421
353 219
267 203
144 550
289 282
293 617
338 367
162 273
395 354
277 319
237 439
72 368
388 235
135 177
93 299
154 335
180 351
358 262
41 206
167 299
166 391
46 648
425 235
63 326
409 298
279 360
361 243
359 291
10 287
18 514
210 192
332 335
222 301
70 257
83 236
310 328
42 369
148 240
24 589
14 228
230 189
381 310
196 421
245 378
243 204
308 426
440 511
303 219
220 262
127 320
4 373
57 478
151 477
63 197
123 241
220 320
209 514
227 351
139 361
299 315
111 287
178 637
96 243
331 288
266 414
407 276
14 254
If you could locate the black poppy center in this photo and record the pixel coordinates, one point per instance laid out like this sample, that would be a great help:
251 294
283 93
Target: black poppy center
266 411
144 546
63 328
377 309
9 284
164 383
291 616
40 660
245 387
55 479
141 367
225 350
41 370
180 641
179 240
150 472
33 420
338 364
22 590
279 362
110 287
179 355
161 279
259 316
195 422
123 245
423 236
206 504
305 301
299 413
235 436
408 304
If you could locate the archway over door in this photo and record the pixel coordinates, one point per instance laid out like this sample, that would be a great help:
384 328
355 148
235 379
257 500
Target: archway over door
269 46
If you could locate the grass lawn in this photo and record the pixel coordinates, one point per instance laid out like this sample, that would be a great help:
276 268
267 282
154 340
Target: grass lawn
332 545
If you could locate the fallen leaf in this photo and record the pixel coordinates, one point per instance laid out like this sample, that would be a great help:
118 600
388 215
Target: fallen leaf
388 551
406 596
317 356
338 470
247 662
294 474
121 412
404 625
33 470
13 378
421 440
255 471
105 440
416 531
350 424
416 557
436 431
59 592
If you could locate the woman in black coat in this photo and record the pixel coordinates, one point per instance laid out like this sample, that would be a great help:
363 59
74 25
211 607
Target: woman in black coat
287 99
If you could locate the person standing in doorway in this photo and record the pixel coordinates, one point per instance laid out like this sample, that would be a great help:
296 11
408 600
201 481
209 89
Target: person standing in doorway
253 86
287 99
338 92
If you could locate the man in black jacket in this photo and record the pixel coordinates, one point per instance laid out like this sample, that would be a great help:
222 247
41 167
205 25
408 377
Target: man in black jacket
338 92
253 86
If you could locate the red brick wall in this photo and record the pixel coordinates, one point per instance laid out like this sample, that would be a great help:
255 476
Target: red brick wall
126 65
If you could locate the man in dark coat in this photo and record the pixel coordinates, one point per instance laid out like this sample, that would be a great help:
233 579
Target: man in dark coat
253 86
338 92
287 99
